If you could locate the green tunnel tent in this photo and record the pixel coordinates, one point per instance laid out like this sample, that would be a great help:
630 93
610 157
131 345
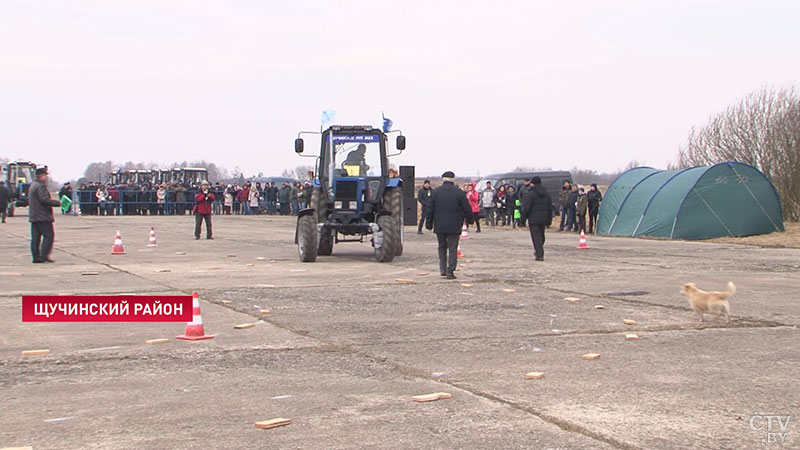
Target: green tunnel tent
726 199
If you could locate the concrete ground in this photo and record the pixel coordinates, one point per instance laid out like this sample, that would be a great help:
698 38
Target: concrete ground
345 346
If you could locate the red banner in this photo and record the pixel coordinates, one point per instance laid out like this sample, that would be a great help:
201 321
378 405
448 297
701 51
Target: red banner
120 308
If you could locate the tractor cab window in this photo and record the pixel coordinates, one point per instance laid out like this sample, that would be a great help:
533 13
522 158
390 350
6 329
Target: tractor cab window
357 155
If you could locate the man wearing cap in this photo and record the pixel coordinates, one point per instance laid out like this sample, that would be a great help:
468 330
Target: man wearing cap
537 207
202 210
447 209
40 215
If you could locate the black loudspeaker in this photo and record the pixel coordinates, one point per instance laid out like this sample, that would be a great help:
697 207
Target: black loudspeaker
409 202
407 175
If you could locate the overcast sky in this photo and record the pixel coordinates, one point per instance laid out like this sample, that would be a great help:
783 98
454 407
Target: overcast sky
476 86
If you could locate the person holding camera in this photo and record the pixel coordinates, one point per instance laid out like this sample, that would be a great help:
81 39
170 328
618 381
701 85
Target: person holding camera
204 200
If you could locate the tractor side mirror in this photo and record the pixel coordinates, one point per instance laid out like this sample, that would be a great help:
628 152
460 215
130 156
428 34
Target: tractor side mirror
401 142
298 145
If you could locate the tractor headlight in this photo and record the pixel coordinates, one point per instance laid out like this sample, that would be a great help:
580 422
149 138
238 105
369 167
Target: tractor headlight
337 205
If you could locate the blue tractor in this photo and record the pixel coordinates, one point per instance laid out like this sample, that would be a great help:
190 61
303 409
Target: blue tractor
18 176
353 194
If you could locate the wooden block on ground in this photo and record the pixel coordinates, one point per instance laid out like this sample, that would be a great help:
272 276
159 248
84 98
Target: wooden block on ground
226 302
156 341
431 397
261 258
272 423
422 274
272 261
467 285
35 352
509 291
599 307
17 448
630 322
250 264
403 280
534 375
591 356
90 273
242 326
263 311
180 253
572 299
631 337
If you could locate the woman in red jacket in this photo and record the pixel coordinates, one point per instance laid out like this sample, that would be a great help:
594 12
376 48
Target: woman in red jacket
474 202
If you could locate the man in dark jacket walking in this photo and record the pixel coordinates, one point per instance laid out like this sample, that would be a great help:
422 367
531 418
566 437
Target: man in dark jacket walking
40 215
5 197
423 196
448 207
537 207
203 208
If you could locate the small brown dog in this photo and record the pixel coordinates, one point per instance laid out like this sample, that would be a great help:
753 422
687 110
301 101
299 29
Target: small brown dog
713 302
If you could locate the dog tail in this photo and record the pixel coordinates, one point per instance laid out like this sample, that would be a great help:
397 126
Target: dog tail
731 288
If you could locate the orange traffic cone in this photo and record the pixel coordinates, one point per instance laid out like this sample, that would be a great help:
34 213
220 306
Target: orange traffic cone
464 232
582 243
194 329
118 248
152 242
459 254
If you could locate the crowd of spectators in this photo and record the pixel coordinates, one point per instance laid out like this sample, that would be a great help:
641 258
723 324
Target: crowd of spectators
179 198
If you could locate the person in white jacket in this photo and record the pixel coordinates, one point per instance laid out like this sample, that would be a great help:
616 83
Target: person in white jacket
488 202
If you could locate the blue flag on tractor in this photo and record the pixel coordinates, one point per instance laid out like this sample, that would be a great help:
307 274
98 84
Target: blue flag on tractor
328 116
387 124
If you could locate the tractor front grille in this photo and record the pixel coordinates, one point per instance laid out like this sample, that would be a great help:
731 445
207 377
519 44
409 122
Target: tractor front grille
346 190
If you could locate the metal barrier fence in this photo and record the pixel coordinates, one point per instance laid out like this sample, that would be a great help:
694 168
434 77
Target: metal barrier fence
175 203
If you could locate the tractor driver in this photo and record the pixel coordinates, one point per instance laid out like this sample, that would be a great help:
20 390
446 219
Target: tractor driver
357 158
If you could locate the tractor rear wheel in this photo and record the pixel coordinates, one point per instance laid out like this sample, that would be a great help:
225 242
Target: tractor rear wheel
386 252
393 202
325 246
307 238
325 242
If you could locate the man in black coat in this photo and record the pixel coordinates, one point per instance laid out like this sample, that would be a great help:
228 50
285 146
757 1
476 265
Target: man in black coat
40 215
537 207
448 207
423 196
595 197
5 197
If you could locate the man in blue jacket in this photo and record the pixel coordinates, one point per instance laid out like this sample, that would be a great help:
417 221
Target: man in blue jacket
447 210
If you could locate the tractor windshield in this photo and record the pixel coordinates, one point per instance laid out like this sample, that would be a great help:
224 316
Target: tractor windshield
357 155
22 173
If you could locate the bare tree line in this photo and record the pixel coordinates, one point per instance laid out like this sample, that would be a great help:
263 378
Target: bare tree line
763 130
